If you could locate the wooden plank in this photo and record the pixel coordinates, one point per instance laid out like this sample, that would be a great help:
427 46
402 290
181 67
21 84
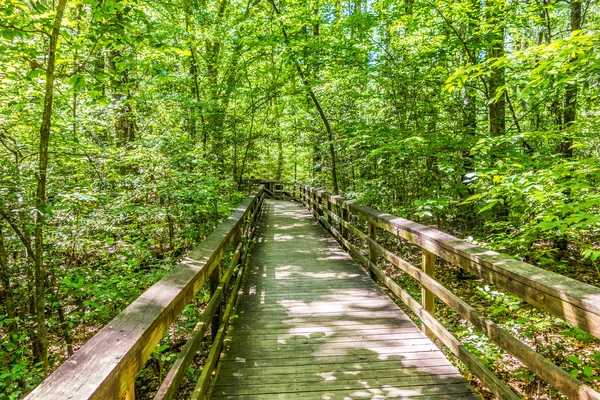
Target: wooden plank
350 334
340 375
574 301
108 363
331 359
331 345
332 315
462 393
408 384
309 330
350 367
382 351
325 321
401 377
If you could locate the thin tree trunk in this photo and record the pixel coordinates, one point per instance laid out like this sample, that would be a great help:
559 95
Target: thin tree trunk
243 166
125 124
279 158
470 130
566 146
315 101
497 107
7 295
39 268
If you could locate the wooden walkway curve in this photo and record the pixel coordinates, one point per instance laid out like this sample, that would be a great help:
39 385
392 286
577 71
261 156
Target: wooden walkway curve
311 324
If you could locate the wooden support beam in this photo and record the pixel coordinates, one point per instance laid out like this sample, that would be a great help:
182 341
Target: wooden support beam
428 298
372 250
214 280
130 394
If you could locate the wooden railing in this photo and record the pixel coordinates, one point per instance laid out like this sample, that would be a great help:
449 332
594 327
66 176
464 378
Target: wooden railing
575 302
274 189
107 365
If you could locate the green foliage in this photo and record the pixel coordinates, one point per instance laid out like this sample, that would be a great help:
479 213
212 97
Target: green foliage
162 109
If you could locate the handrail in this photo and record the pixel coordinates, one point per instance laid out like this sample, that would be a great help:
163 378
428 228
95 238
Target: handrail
107 365
576 302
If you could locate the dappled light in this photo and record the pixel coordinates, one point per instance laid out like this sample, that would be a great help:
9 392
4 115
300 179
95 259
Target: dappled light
312 324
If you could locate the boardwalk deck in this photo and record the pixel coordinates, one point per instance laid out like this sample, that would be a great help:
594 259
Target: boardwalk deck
311 324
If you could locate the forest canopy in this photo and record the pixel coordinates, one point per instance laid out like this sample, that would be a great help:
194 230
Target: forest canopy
128 129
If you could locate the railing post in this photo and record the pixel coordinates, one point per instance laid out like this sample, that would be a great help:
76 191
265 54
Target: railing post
215 278
130 393
372 251
328 205
320 202
428 298
346 218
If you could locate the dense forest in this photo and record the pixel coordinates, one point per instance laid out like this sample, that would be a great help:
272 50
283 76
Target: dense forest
128 129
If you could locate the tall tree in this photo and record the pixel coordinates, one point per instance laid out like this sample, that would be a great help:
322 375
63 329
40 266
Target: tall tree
570 112
42 178
495 12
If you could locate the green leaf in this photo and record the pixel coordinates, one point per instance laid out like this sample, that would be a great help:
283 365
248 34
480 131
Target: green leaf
575 360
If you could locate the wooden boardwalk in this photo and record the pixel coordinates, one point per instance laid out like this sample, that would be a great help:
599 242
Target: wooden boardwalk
311 324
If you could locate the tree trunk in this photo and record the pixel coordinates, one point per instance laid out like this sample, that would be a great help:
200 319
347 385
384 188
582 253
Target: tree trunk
497 107
125 124
279 157
315 101
566 146
39 267
7 295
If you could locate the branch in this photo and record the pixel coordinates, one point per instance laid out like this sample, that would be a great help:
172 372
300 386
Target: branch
13 27
26 242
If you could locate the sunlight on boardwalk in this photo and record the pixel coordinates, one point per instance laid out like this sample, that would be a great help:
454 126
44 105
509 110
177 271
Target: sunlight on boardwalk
312 325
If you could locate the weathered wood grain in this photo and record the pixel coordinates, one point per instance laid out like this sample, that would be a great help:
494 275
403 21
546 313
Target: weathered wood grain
461 391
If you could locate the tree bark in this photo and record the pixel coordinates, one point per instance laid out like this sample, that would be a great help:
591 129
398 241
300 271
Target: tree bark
279 157
566 146
497 107
41 202
125 124
6 291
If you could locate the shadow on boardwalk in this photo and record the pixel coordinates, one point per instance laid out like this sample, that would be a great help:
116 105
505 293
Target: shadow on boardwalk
312 325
